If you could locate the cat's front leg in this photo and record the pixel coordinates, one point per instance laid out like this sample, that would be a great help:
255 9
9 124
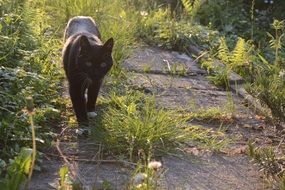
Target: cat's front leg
92 94
79 103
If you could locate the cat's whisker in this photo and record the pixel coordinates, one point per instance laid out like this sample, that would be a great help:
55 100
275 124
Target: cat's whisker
83 78
80 76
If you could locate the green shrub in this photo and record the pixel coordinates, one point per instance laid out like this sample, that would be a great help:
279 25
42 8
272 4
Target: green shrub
27 68
17 171
269 83
159 28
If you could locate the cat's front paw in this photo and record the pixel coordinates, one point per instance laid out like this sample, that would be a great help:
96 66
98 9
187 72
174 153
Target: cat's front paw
92 114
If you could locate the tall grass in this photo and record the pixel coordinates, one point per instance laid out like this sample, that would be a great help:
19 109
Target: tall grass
132 123
114 18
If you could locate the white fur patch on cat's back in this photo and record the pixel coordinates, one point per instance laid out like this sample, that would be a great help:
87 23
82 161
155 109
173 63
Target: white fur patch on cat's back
92 114
81 24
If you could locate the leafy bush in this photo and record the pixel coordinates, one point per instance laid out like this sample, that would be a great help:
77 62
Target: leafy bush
159 28
27 68
269 83
269 88
17 171
247 19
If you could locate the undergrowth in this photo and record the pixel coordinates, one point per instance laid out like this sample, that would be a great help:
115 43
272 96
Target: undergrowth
28 67
160 28
270 162
129 122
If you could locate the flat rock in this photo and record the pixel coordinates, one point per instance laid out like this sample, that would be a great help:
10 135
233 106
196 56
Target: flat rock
154 60
184 92
215 172
83 156
148 80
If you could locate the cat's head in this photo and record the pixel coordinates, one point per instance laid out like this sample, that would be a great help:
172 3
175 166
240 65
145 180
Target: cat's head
95 59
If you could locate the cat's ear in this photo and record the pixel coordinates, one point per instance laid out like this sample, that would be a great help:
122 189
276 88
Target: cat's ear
84 44
108 46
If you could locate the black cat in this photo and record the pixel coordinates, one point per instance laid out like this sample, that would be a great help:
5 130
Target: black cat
86 61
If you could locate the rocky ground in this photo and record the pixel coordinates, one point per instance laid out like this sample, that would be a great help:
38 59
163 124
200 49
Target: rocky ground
177 82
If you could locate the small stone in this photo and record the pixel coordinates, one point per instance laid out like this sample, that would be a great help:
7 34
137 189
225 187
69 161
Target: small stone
139 179
92 114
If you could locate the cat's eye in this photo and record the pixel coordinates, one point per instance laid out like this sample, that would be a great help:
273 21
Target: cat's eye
88 64
103 64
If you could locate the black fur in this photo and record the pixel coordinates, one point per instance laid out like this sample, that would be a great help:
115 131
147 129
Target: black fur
86 61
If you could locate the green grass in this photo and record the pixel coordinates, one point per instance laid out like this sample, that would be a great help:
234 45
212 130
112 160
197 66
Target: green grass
130 122
270 161
114 18
211 115
28 68
161 29
17 171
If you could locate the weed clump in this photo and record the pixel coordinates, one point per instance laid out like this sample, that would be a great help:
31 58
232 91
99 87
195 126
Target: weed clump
133 122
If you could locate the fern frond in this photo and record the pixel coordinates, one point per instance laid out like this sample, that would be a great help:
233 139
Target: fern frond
272 41
265 63
223 51
187 5
196 6
279 41
239 53
191 8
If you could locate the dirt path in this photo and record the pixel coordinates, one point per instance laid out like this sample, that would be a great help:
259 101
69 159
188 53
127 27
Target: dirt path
178 83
